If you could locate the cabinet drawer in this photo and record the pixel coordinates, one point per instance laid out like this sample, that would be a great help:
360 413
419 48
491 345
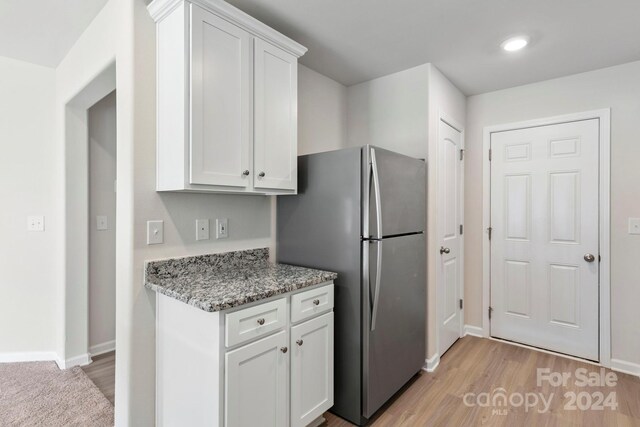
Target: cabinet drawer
307 304
253 322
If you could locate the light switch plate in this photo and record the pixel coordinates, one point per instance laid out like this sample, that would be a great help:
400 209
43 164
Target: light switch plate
634 225
101 223
35 223
202 229
222 228
155 232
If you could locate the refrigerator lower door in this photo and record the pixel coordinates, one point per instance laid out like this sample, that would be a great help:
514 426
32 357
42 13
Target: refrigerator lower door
394 351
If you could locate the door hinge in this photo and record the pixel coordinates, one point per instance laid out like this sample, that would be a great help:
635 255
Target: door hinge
490 310
461 229
599 258
462 154
489 230
461 304
489 154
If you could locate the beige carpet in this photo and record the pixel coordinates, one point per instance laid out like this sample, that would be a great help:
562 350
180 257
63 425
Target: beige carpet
40 394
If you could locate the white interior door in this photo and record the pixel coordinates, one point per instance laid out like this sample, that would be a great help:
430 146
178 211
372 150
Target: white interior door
544 243
449 273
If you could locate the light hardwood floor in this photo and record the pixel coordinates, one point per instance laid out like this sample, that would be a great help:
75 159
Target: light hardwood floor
102 372
477 365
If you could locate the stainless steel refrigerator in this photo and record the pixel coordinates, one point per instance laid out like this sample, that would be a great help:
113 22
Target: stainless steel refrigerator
361 213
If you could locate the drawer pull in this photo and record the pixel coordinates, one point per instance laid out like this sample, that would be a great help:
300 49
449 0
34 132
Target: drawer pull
284 349
261 321
299 342
316 302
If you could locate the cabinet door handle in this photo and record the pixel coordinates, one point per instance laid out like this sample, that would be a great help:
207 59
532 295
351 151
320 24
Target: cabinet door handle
299 342
245 173
261 321
261 174
284 349
316 302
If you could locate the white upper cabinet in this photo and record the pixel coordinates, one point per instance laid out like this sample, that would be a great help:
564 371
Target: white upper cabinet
276 95
227 100
220 101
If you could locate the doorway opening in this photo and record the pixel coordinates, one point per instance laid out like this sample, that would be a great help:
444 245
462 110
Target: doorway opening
90 211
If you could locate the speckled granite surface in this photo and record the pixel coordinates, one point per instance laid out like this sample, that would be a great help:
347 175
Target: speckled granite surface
220 281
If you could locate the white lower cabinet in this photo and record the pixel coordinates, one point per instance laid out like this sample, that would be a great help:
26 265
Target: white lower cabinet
311 369
256 383
245 367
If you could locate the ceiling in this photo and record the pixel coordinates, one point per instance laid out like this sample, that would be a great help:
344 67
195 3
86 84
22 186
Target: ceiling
43 31
353 41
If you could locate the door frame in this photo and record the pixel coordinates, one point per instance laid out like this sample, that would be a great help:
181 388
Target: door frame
604 175
443 117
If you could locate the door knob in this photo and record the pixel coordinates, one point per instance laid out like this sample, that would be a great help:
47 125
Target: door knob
261 321
444 250
316 302
261 174
284 349
245 173
299 342
589 258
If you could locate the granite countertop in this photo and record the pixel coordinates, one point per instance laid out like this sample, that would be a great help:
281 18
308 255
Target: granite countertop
221 281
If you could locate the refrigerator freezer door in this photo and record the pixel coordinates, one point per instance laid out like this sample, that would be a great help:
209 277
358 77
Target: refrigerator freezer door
402 188
395 350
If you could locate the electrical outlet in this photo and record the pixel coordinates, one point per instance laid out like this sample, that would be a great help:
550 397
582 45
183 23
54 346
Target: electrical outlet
35 223
634 225
101 223
222 228
202 229
155 232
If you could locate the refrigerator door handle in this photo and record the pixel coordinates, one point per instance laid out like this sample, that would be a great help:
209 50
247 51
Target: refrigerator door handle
376 292
376 191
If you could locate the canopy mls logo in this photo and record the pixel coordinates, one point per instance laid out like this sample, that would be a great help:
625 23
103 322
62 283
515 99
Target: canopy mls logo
501 401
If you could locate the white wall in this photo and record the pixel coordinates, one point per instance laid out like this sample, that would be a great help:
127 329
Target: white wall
617 88
400 112
322 112
391 112
28 284
102 243
83 77
249 218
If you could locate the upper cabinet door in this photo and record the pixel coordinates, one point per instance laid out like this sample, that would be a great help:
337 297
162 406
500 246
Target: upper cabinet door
220 101
276 111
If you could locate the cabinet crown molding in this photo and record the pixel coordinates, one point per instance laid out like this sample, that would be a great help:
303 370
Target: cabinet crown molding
158 9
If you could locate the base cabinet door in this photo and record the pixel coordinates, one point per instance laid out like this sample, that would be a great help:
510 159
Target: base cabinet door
256 383
311 369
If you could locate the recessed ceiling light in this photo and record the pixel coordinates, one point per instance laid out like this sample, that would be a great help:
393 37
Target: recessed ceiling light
515 43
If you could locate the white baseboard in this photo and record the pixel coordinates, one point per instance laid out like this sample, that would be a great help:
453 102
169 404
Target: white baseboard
105 347
81 360
474 331
432 364
28 356
625 367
